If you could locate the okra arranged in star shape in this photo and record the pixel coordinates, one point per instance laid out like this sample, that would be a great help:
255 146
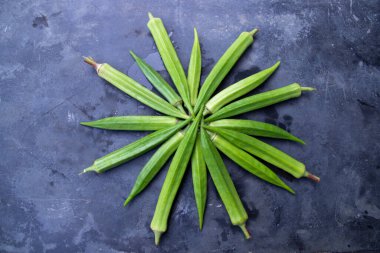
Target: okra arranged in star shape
195 135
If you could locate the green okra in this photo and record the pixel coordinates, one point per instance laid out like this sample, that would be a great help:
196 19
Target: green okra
134 149
223 66
154 165
170 58
135 123
134 89
255 128
259 101
247 162
238 89
173 180
223 183
199 174
194 70
265 152
158 82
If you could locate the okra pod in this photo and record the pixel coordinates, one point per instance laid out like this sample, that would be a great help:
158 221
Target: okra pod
255 128
170 58
194 70
135 123
199 174
223 183
238 89
134 149
173 180
266 152
223 66
134 89
158 82
247 162
154 165
259 101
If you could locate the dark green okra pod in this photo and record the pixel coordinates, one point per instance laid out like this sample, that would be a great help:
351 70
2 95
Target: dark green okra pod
266 152
133 123
223 66
259 101
223 183
199 173
170 58
255 128
173 180
134 89
159 82
153 166
194 70
247 162
134 149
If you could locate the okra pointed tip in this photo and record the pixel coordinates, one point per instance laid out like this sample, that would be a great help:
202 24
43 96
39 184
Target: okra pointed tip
150 15
127 200
91 168
85 123
312 177
308 89
245 231
157 237
253 32
133 54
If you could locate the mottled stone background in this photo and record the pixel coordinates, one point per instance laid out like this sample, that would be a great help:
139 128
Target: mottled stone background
46 90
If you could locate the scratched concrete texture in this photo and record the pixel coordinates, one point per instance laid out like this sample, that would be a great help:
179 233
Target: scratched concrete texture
46 90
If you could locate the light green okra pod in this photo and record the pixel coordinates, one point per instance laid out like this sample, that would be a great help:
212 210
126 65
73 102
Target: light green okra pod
247 162
238 89
134 89
173 180
199 174
259 101
159 82
223 66
134 149
223 183
194 70
170 58
135 123
266 152
255 128
154 165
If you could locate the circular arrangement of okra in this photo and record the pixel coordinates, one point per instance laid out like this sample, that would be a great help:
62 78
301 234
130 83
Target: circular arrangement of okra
195 134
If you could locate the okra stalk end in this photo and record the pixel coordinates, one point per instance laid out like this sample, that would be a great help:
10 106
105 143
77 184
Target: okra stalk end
312 177
150 15
89 60
245 231
157 237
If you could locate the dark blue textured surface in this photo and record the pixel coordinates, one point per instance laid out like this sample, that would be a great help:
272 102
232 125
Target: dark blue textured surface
46 90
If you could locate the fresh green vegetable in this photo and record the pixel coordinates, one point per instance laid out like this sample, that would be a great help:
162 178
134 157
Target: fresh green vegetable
224 184
259 101
170 58
248 163
154 165
238 89
173 180
133 123
255 128
134 149
194 71
223 66
158 82
134 89
266 152
199 173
